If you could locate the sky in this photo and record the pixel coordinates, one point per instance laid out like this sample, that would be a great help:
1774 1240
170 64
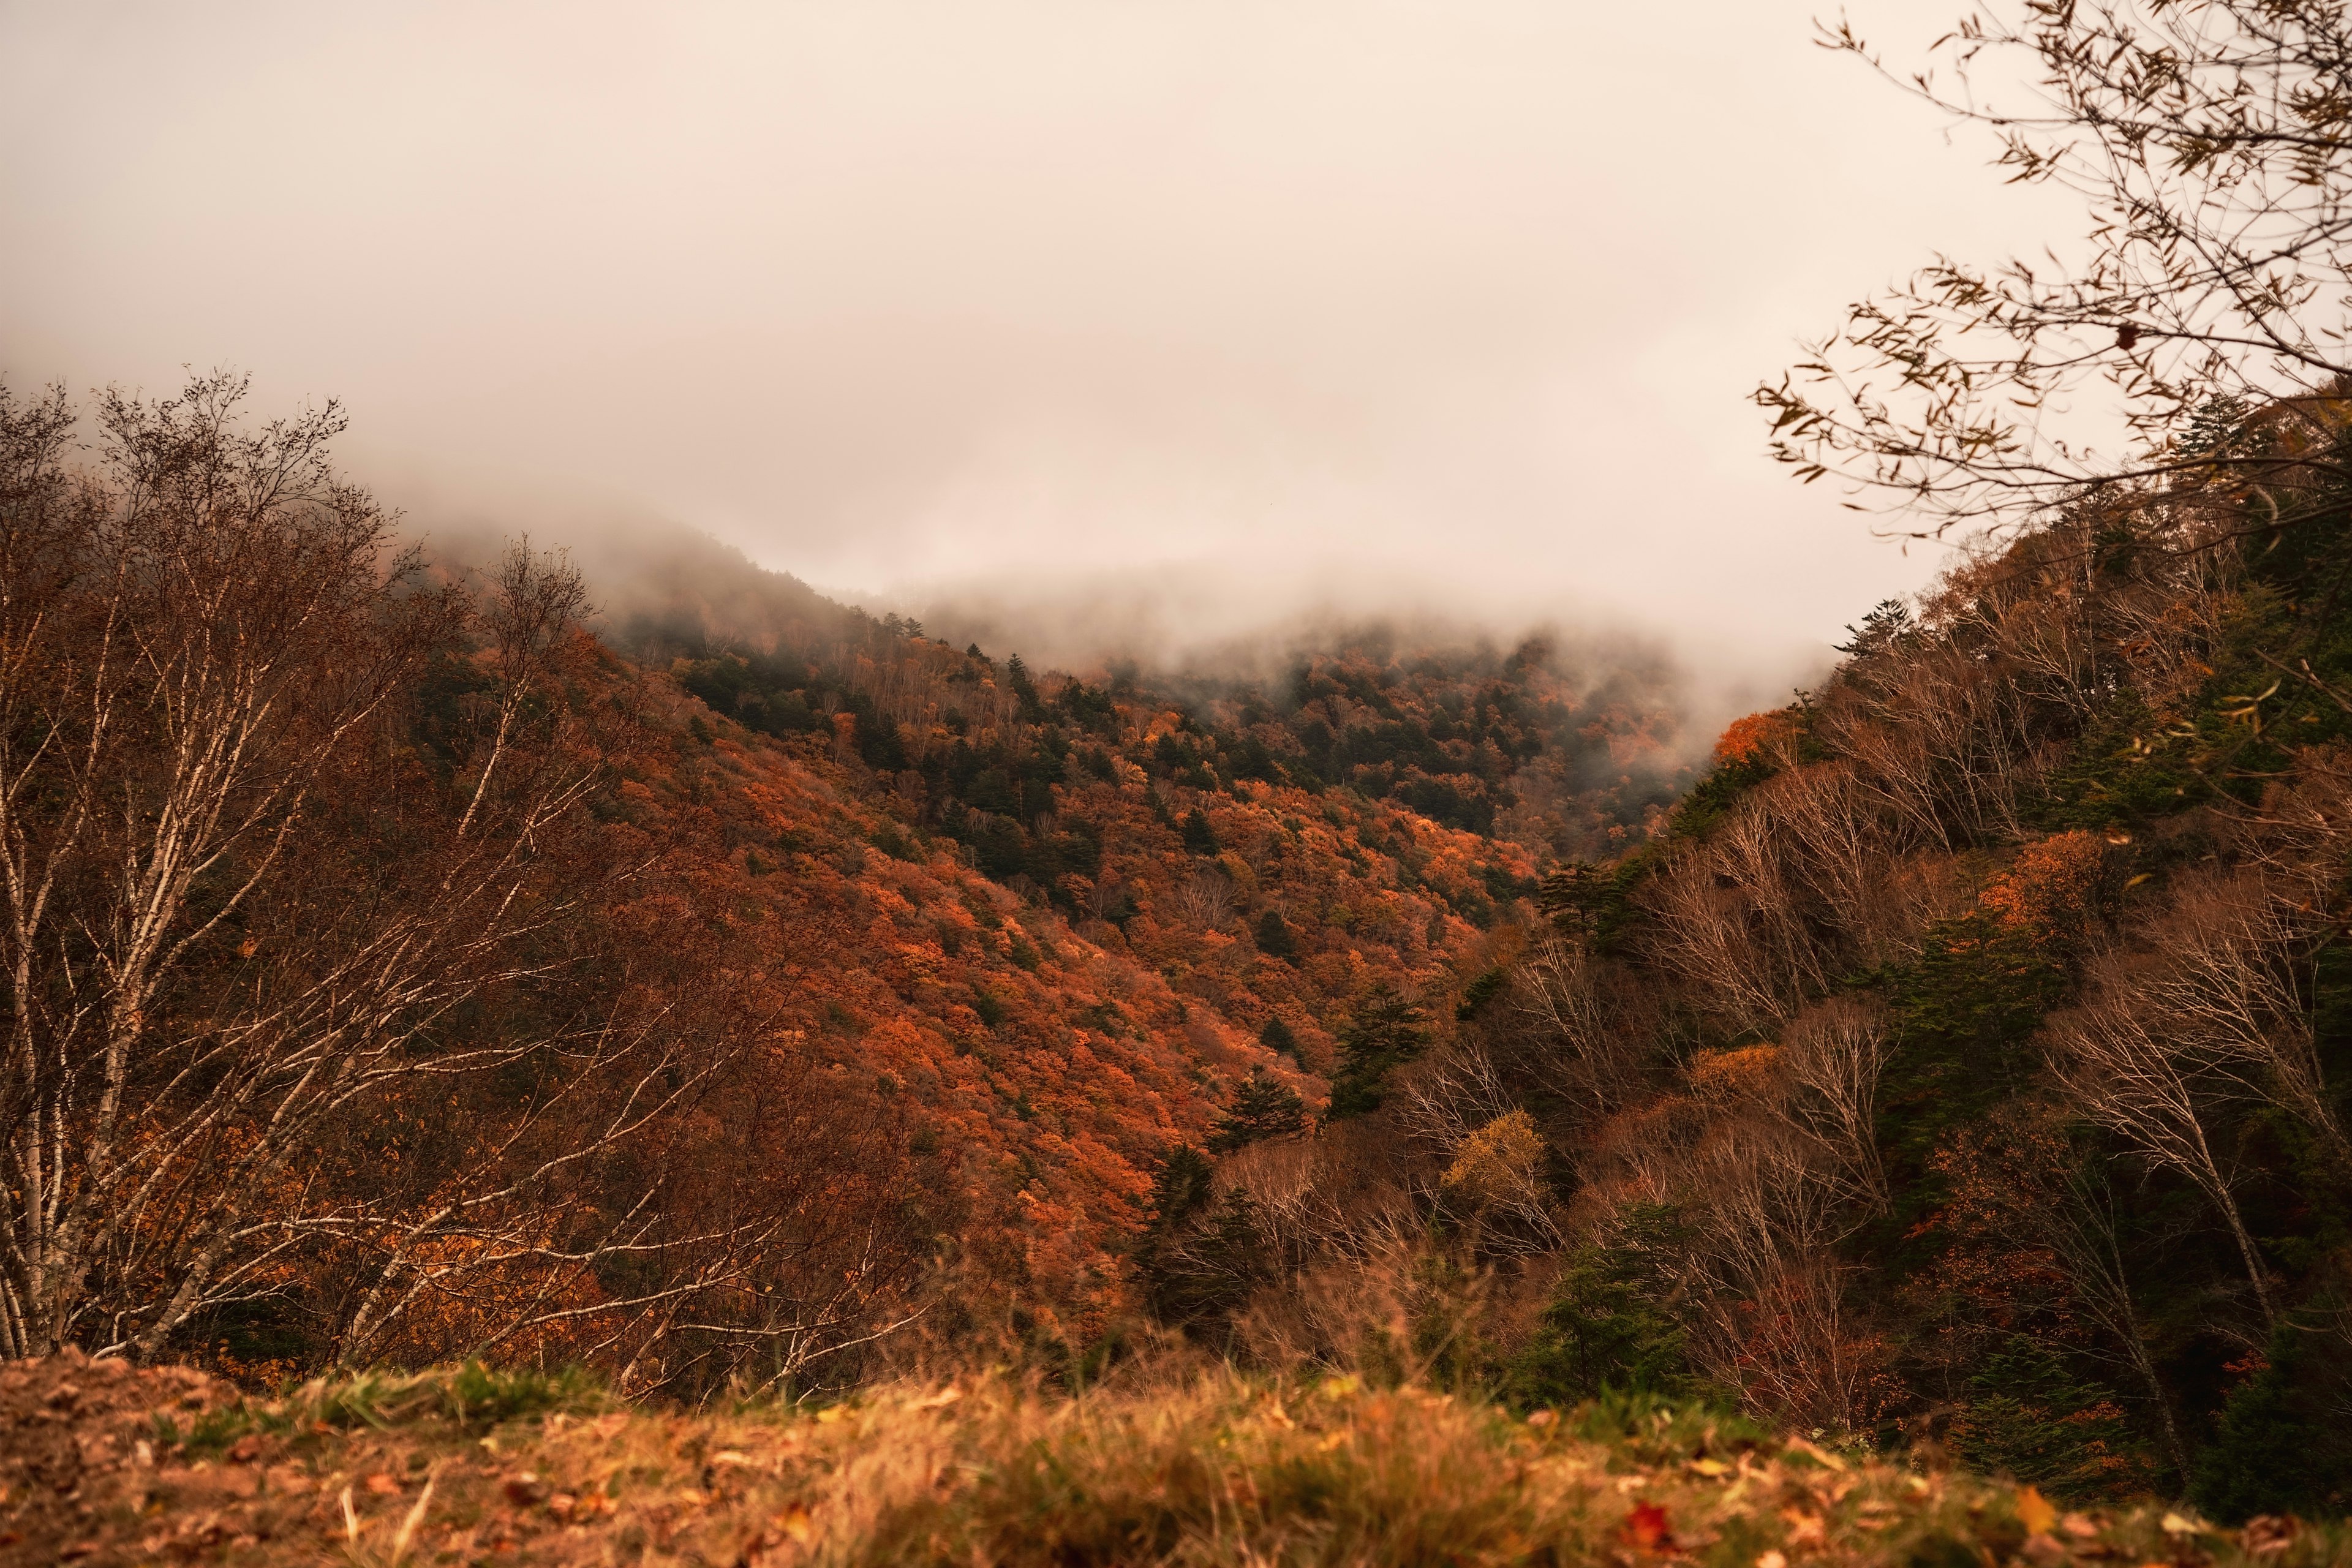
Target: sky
1165 318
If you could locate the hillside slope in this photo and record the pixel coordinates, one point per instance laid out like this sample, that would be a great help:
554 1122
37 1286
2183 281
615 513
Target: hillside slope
1966 1062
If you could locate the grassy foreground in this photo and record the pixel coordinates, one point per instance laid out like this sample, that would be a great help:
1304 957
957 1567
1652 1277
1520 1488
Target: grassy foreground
102 1464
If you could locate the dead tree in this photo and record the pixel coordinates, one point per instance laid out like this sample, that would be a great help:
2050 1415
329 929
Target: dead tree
243 903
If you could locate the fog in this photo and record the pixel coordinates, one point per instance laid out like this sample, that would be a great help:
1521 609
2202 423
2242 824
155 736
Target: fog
1105 327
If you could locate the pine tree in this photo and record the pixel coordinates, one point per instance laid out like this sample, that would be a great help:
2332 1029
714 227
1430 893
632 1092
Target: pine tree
1276 1034
1024 690
1265 1107
1178 1191
1200 838
1387 1032
1274 940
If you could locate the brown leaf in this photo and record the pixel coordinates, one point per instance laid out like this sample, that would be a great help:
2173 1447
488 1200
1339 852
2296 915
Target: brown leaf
1804 1529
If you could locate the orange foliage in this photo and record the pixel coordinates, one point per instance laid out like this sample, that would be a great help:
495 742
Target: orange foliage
1756 736
1043 1064
2051 887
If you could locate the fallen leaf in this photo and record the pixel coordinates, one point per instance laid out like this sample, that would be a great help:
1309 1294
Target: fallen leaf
943 1398
1543 1418
2034 1512
1816 1453
1710 1468
1804 1529
2269 1532
381 1483
1771 1559
1647 1529
731 1457
795 1522
2180 1524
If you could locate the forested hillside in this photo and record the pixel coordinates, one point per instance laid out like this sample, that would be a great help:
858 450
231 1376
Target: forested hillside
765 991
1965 1062
760 982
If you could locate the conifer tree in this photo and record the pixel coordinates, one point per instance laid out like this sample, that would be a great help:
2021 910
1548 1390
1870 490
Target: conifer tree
1024 690
1200 838
1387 1031
1274 940
1265 1107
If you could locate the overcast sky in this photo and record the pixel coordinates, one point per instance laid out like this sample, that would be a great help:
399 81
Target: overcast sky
1264 304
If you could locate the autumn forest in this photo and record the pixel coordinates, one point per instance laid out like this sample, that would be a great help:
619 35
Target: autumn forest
732 998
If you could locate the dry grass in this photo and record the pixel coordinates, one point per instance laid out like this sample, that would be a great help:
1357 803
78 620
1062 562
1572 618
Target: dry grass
1214 1469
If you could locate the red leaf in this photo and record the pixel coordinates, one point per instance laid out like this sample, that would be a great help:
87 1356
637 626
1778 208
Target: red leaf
1647 1529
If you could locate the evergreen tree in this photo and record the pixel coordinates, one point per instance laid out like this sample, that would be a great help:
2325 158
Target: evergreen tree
1178 1192
1024 690
1276 1034
1604 1330
1197 1261
1887 628
1387 1031
1265 1107
1211 1273
2029 1416
2281 1445
1274 940
1200 838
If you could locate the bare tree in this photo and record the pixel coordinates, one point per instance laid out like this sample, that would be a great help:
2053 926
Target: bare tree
2124 1074
1205 899
1763 1286
1579 1052
1732 917
2207 302
1833 1054
244 907
2232 991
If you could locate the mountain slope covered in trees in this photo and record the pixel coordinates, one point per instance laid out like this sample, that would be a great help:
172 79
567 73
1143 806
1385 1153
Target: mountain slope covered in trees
759 992
758 981
1965 1062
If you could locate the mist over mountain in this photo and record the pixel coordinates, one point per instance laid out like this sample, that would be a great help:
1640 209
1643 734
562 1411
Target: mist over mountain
1189 633
1057 784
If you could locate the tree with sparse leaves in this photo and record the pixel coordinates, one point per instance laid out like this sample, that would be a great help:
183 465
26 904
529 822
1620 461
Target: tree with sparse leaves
2203 311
